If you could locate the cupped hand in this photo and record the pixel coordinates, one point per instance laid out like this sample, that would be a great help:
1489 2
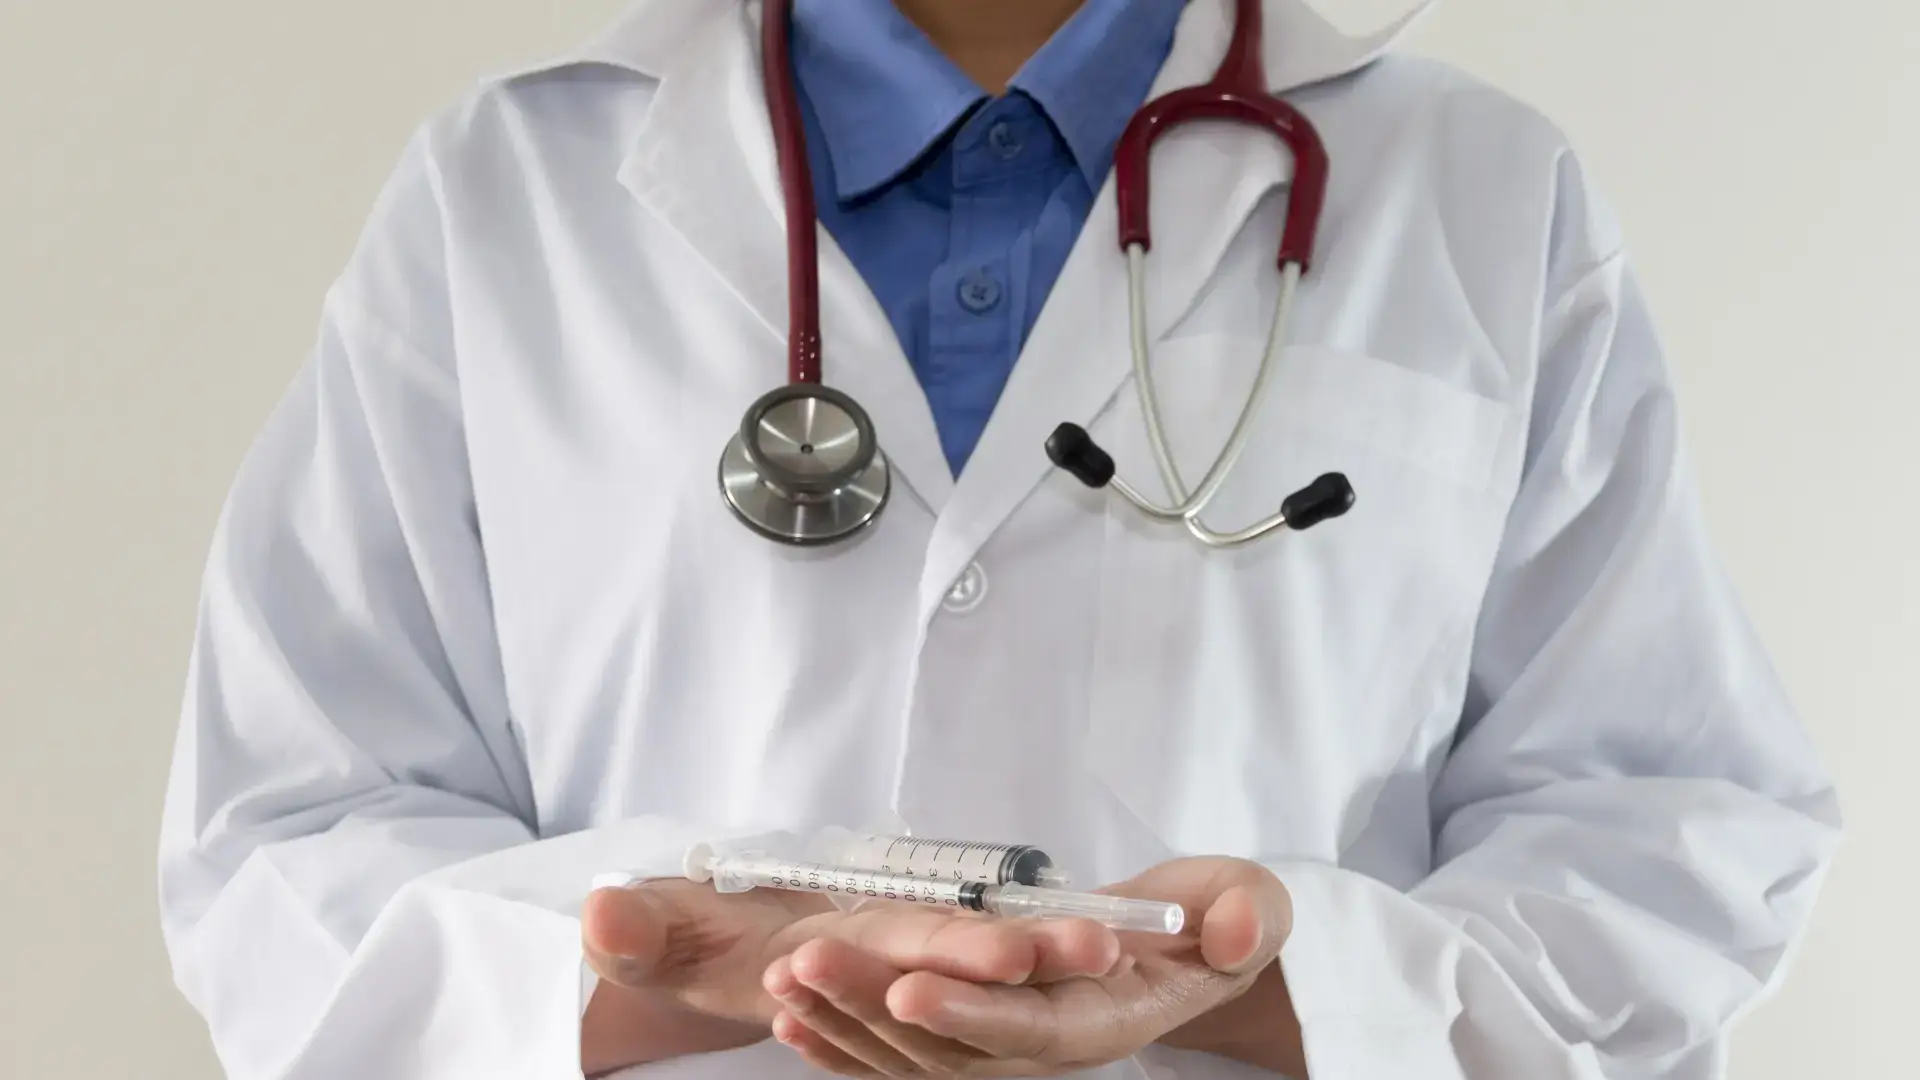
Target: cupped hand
861 1013
683 967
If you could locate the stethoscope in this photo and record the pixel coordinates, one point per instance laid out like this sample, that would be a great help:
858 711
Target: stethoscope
806 468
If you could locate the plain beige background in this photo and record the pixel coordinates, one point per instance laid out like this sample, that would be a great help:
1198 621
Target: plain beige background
178 182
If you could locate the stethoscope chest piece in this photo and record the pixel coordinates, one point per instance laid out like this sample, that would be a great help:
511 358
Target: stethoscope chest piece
805 467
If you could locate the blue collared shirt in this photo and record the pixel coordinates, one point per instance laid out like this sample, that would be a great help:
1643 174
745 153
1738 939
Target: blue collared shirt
959 209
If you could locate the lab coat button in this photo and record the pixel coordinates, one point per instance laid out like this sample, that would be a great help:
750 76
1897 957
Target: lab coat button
967 592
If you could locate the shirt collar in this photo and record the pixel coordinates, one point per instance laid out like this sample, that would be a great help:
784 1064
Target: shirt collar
883 95
880 91
1096 71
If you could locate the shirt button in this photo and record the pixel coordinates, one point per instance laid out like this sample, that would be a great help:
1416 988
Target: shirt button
979 292
1003 141
967 592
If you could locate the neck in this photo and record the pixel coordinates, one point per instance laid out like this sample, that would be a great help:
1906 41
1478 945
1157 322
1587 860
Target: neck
990 40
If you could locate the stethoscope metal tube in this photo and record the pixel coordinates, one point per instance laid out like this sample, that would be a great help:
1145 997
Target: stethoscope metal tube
1239 92
1074 450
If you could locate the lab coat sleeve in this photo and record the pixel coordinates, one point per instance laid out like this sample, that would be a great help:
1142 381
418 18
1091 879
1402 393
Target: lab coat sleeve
1631 826
352 880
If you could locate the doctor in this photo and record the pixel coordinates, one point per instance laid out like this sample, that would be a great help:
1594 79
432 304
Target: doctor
1487 778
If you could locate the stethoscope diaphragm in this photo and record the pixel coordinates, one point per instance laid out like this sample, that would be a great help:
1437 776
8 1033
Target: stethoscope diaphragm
805 468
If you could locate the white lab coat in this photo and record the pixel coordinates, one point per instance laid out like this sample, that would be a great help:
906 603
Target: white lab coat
477 625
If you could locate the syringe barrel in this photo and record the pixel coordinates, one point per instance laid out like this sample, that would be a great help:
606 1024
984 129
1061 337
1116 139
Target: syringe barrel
743 871
1118 912
945 860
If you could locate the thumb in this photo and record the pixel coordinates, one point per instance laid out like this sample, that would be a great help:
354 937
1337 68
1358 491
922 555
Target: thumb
1245 927
625 933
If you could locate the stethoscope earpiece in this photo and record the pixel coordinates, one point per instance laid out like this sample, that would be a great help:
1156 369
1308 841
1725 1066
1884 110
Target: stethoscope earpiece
1072 449
1326 498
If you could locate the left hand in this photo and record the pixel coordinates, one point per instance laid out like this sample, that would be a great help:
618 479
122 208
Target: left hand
859 1014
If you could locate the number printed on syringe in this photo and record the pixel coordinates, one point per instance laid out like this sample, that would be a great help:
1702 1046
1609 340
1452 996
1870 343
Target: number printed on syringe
912 858
813 877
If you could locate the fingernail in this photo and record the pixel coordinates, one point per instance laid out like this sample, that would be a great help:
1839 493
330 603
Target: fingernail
811 974
628 971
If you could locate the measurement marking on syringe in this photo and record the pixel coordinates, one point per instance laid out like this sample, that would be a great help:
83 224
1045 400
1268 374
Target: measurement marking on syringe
936 851
814 878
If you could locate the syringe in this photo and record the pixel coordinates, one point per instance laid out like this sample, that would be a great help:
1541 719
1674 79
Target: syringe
741 872
908 856
945 860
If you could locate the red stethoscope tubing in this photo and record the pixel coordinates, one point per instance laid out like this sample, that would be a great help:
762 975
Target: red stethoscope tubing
1238 92
796 187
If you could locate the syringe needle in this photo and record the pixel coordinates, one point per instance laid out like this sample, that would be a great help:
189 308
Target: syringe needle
1116 912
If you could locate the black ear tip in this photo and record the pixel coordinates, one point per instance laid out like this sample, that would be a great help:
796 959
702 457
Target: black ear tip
1072 449
1066 440
1328 497
1339 489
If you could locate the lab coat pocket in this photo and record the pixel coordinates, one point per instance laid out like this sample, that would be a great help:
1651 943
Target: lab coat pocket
1246 702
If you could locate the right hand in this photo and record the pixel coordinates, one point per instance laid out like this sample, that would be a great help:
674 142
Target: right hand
677 947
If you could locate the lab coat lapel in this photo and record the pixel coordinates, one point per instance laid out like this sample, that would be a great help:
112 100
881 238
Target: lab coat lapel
705 165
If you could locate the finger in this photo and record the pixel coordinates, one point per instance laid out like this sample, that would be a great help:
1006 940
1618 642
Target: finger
985 950
1237 933
1076 948
670 939
856 984
849 1036
1238 910
816 1050
1010 1023
623 933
